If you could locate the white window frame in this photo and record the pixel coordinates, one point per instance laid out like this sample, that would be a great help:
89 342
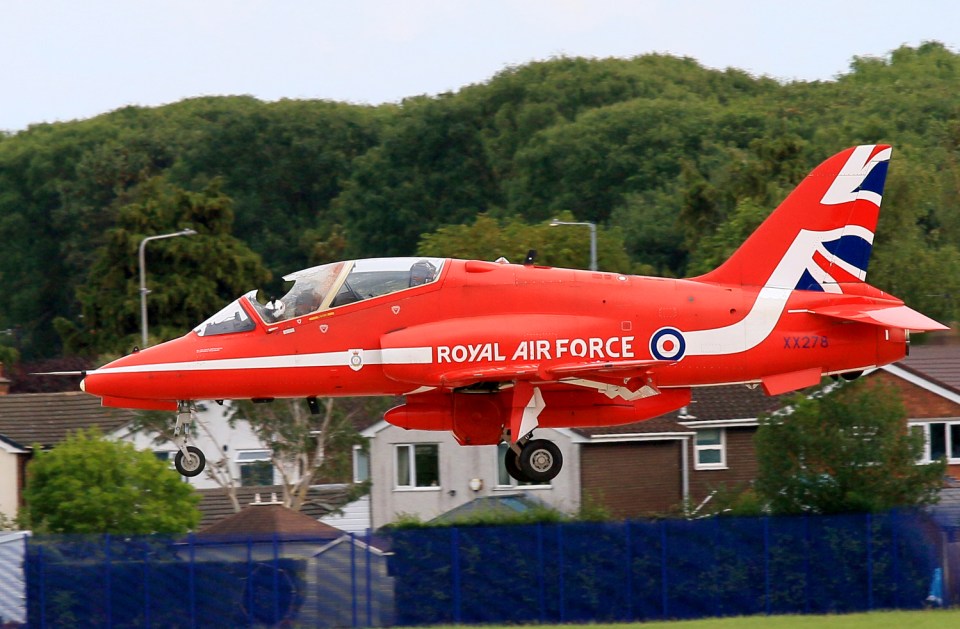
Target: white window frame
925 427
361 473
246 457
412 470
721 447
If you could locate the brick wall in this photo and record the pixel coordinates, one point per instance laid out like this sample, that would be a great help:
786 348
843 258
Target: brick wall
632 479
741 465
920 403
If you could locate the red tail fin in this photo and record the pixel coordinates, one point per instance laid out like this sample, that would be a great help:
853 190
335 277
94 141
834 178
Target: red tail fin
822 233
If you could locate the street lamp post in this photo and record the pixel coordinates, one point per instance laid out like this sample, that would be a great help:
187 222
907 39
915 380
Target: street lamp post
593 238
143 277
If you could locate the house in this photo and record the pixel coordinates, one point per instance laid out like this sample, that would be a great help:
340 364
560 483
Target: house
46 419
426 473
652 467
341 572
324 503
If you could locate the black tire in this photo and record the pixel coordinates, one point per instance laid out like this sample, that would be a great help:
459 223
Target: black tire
192 466
512 463
540 461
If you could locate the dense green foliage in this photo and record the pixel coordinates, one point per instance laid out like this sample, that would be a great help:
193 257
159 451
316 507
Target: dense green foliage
88 484
675 163
849 451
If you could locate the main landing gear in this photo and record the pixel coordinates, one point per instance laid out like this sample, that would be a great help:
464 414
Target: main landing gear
533 460
190 460
529 460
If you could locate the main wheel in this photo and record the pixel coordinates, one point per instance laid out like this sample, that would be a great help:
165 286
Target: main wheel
512 463
192 464
540 461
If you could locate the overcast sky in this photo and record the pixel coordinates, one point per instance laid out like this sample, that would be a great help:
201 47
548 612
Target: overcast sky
69 59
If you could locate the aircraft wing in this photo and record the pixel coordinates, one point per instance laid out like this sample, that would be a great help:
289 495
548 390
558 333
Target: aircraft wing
885 315
536 371
488 373
605 367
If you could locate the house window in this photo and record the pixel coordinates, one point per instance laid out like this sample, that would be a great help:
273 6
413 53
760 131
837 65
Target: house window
418 465
361 464
710 449
503 478
255 467
941 440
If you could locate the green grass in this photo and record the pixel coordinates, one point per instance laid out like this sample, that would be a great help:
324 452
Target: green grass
930 619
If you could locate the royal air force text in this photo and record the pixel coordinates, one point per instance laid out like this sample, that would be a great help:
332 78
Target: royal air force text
594 348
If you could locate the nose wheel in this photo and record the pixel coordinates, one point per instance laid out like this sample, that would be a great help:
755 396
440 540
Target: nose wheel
191 463
189 460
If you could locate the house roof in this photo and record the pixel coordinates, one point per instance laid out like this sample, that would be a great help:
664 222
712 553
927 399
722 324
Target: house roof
938 363
47 418
499 504
215 505
269 519
722 403
664 424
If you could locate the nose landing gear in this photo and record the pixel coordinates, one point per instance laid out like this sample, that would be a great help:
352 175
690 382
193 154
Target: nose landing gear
189 460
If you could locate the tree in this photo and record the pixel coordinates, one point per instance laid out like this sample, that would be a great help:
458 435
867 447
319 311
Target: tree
562 246
309 446
306 448
89 484
190 278
847 450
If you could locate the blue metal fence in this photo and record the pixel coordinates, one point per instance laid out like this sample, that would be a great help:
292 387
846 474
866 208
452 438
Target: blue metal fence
669 569
573 572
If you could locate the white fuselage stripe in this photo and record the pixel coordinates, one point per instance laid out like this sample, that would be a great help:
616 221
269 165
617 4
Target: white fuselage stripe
392 356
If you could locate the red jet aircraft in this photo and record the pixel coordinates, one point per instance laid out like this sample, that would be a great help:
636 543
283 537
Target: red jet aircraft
491 351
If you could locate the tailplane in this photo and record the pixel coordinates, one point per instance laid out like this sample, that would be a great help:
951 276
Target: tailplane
821 236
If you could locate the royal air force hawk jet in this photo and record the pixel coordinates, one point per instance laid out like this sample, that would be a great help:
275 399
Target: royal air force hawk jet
493 351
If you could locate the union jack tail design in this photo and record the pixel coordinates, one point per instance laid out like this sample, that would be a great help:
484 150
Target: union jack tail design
821 236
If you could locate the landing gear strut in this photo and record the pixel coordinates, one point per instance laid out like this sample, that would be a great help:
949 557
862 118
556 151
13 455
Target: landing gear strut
189 460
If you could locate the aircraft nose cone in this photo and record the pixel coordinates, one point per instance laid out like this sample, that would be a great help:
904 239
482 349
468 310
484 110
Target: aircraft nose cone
82 387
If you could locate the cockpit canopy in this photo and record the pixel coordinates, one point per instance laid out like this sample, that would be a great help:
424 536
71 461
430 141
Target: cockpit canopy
327 286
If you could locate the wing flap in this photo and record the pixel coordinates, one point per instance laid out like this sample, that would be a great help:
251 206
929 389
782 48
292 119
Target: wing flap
883 315
546 373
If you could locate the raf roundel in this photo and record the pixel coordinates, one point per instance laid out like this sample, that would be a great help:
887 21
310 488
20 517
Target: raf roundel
667 344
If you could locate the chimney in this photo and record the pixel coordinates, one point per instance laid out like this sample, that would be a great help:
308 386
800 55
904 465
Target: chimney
4 382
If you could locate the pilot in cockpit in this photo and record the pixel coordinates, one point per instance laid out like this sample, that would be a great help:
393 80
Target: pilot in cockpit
307 302
422 272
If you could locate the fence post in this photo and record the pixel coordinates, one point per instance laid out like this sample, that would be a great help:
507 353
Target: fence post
146 584
806 563
43 586
250 600
896 563
541 578
276 578
108 603
663 569
629 575
766 565
369 588
353 580
869 520
561 563
192 581
455 563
